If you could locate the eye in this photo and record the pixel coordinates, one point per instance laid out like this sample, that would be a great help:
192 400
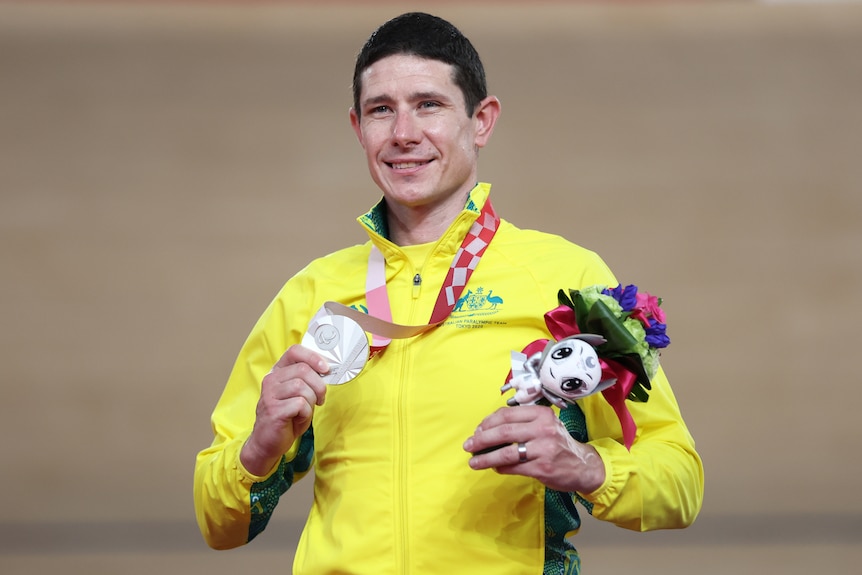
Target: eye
428 107
378 110
561 353
572 384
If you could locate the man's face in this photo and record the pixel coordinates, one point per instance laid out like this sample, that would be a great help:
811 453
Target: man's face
420 143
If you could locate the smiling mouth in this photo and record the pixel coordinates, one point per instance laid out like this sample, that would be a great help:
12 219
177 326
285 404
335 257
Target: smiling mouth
406 165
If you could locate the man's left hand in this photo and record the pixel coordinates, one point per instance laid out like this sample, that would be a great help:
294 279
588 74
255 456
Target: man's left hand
534 442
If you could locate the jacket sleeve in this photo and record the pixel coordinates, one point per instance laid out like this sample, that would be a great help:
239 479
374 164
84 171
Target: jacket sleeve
231 504
659 483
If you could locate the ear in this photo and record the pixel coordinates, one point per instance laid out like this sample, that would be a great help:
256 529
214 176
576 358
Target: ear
357 128
486 116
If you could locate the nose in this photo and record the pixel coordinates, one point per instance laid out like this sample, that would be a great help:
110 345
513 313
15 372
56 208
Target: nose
405 130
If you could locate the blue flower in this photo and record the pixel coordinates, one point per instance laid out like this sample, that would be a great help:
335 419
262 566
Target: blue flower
627 296
656 334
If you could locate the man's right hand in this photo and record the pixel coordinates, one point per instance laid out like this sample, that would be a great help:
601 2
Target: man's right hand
288 395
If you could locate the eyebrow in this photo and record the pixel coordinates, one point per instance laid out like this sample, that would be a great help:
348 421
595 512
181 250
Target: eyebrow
376 100
415 97
428 96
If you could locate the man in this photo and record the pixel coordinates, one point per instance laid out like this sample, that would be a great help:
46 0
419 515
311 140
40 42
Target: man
397 487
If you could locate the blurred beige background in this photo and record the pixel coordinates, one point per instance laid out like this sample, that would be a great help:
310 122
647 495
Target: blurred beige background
164 168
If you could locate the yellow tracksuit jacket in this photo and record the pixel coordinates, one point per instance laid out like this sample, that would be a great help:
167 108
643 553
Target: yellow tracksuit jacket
393 493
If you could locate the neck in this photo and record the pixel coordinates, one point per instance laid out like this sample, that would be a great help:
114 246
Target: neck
410 231
413 225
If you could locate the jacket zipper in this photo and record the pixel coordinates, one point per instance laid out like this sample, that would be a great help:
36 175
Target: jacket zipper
403 472
417 284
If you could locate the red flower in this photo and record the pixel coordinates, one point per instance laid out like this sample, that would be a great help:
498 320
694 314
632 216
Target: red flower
648 306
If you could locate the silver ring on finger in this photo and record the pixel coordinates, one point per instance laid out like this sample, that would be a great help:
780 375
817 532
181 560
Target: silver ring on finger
522 452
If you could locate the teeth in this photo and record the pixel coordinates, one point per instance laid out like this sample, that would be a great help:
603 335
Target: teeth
406 165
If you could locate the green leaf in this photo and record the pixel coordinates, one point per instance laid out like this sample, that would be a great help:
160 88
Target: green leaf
582 310
564 299
600 319
638 393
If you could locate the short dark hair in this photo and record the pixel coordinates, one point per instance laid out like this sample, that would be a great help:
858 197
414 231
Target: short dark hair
430 37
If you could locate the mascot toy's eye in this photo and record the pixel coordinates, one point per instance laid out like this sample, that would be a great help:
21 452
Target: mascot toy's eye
561 353
572 384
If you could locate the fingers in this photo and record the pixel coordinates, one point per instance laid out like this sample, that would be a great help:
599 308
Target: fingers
294 385
297 380
499 439
300 354
508 425
503 458
297 373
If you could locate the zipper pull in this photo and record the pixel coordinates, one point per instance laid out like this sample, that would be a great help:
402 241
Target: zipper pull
417 283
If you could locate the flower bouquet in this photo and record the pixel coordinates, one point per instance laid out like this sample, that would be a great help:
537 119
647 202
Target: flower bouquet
606 339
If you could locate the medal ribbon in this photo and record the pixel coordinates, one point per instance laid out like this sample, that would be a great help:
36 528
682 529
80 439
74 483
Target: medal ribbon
378 321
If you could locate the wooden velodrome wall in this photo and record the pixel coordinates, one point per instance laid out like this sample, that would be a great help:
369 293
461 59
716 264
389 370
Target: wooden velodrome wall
164 169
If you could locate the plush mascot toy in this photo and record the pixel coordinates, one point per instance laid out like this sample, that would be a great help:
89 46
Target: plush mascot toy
561 373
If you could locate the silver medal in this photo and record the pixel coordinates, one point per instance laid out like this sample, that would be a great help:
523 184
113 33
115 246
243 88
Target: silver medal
341 342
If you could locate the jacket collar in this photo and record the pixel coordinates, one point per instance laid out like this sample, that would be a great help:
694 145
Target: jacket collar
375 222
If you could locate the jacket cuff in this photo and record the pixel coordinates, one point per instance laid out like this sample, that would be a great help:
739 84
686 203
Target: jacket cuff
616 459
249 478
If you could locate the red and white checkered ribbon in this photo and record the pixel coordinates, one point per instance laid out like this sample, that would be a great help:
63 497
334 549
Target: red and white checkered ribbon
465 261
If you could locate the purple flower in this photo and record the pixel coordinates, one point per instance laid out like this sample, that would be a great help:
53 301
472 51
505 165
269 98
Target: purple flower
656 335
626 296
